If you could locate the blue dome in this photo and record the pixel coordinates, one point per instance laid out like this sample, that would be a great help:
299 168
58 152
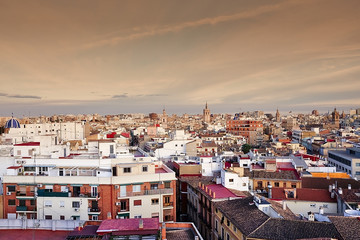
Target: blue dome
12 123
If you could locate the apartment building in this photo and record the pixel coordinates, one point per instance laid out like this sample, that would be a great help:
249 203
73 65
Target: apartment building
89 187
252 130
346 160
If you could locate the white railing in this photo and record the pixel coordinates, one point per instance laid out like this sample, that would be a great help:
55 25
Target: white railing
66 225
147 192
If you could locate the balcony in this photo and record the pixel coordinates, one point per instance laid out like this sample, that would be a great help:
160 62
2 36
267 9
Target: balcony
21 208
168 204
147 192
94 210
25 195
42 193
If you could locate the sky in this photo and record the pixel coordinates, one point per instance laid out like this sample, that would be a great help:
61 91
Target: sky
110 57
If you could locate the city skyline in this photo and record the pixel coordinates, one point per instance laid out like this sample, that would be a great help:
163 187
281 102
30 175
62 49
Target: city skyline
126 56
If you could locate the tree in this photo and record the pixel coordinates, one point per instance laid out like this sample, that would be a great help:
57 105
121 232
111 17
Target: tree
245 148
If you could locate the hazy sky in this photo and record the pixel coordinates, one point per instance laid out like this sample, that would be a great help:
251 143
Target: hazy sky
138 56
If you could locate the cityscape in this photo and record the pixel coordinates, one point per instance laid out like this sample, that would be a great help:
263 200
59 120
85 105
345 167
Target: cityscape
201 120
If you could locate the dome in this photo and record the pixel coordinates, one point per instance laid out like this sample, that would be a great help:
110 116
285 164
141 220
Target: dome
12 123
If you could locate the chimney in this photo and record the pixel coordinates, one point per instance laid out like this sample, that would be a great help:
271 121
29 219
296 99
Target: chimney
270 191
311 216
141 224
163 231
284 205
321 210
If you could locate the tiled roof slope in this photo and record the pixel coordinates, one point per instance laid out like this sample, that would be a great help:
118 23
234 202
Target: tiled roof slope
281 229
323 183
289 175
348 227
243 214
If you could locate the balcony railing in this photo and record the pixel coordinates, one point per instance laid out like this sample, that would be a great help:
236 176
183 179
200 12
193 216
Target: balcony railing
21 208
42 193
25 194
97 210
168 204
147 192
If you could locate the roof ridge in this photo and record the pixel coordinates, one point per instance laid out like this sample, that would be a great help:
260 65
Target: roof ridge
260 226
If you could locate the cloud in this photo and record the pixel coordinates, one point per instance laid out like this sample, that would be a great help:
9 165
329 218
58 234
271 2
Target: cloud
124 95
191 24
23 96
19 96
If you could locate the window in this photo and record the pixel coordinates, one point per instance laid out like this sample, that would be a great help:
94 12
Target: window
277 184
154 201
227 222
231 180
154 186
75 204
227 236
234 228
166 199
48 217
32 202
136 188
313 205
11 202
62 204
216 225
47 203
137 202
64 189
94 217
48 188
123 206
155 215
167 184
62 217
127 170
325 206
244 184
11 188
293 185
137 216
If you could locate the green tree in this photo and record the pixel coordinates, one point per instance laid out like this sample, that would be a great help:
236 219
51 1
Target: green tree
245 148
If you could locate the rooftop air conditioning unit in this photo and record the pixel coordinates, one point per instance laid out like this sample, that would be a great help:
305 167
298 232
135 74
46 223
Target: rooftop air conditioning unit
76 209
116 186
8 193
39 185
19 162
118 203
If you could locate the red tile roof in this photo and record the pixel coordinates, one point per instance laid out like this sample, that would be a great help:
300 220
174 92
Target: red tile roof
14 167
28 144
304 194
124 226
220 191
33 234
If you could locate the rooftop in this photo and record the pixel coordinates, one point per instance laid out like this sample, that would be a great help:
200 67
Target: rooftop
348 227
218 191
128 226
303 194
281 229
28 144
239 210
